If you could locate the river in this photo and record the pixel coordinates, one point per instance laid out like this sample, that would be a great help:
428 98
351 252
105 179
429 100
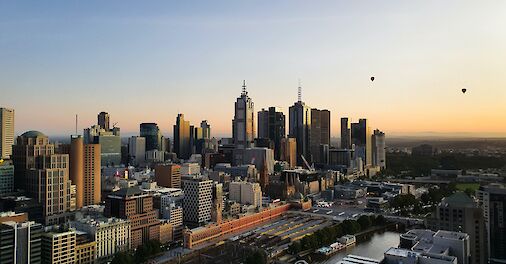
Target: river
374 247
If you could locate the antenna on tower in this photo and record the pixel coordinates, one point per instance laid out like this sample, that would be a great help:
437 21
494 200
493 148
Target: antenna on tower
244 87
299 92
76 124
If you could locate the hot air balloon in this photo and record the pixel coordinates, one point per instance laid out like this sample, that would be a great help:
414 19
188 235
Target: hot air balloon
464 90
372 78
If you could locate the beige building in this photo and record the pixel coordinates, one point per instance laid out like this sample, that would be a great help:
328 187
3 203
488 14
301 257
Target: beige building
6 132
85 249
246 193
85 171
110 235
59 246
289 151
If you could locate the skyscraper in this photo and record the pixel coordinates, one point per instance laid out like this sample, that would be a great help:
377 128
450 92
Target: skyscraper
320 134
378 149
197 201
243 126
217 206
206 129
492 200
151 133
137 149
271 125
182 137
103 120
289 151
461 213
345 134
6 132
6 177
85 171
300 128
361 139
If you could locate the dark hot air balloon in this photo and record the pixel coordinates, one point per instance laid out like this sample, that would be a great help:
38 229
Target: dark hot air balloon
464 90
372 78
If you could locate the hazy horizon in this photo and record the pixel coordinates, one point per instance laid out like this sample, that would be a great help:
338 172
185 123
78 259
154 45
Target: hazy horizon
146 62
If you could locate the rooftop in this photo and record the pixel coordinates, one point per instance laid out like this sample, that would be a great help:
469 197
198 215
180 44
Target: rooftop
33 134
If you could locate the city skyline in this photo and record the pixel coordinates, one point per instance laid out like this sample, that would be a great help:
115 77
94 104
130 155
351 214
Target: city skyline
149 62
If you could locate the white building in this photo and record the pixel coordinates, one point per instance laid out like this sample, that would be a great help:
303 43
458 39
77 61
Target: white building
190 169
111 234
378 149
137 149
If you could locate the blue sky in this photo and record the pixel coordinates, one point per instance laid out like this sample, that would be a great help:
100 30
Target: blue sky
147 61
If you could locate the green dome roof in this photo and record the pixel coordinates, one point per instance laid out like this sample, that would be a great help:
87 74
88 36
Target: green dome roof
33 134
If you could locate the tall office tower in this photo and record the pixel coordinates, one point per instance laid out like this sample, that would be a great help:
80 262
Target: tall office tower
492 200
21 242
6 177
6 132
345 134
361 139
151 133
206 129
264 178
58 246
168 175
320 134
300 128
197 201
137 206
378 149
271 125
110 143
103 120
137 150
243 124
460 213
260 157
289 151
217 206
182 137
76 168
85 171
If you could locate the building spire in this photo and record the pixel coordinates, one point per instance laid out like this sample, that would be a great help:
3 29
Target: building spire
299 92
244 92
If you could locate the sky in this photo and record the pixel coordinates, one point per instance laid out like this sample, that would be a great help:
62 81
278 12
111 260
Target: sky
145 61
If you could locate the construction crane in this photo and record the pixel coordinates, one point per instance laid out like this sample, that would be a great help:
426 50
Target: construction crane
311 168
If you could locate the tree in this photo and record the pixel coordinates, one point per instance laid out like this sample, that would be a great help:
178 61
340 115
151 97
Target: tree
364 221
122 258
379 220
256 258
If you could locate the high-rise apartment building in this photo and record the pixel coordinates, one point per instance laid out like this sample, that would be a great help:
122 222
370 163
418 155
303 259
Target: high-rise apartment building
151 133
345 133
103 120
361 140
58 246
320 134
378 149
21 242
197 201
168 175
137 206
492 199
300 129
217 205
271 125
182 135
460 213
85 171
44 175
6 132
243 126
